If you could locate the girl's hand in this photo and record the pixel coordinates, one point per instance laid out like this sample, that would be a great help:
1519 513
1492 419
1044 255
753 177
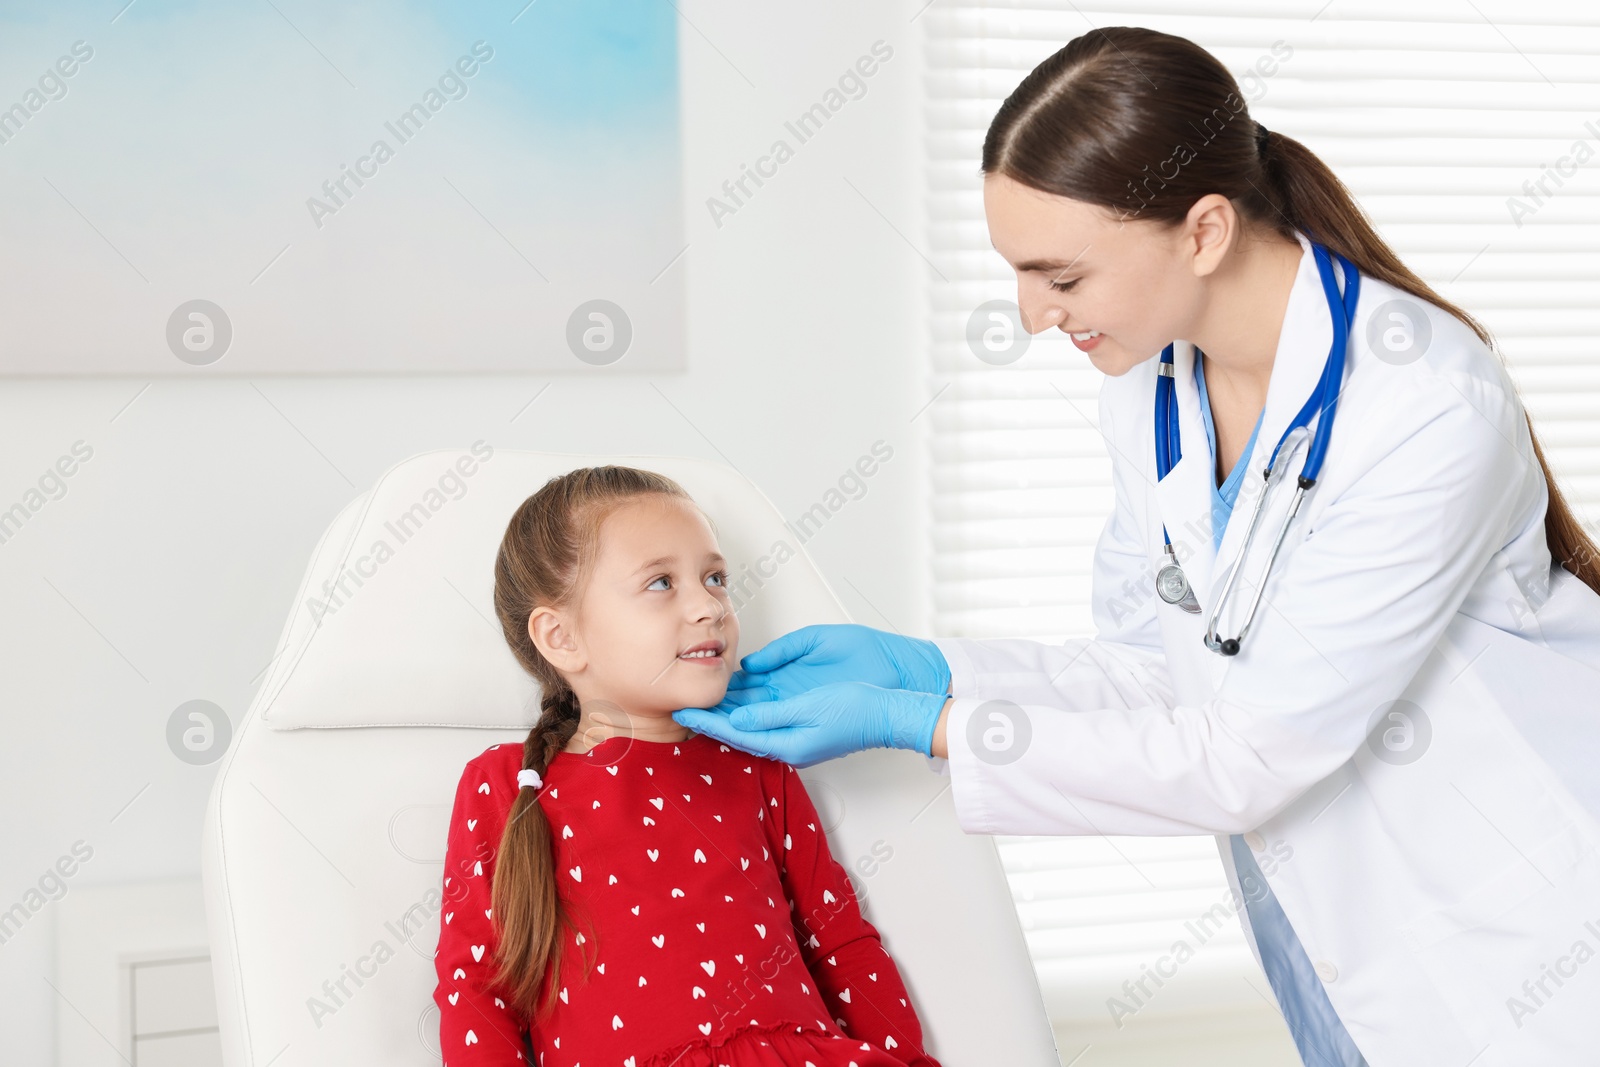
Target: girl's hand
828 721
819 655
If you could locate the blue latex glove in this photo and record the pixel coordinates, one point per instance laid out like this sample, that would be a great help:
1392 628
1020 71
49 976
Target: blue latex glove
838 652
831 720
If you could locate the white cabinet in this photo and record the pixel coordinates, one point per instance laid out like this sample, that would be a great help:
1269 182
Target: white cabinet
134 977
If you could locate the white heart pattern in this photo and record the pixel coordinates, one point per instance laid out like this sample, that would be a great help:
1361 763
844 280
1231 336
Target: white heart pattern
760 929
472 1038
705 1028
472 824
577 874
652 853
710 967
477 953
659 939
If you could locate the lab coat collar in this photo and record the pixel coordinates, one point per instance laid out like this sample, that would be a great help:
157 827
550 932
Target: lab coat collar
1184 495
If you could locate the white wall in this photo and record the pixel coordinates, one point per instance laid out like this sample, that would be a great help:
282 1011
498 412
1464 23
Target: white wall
165 571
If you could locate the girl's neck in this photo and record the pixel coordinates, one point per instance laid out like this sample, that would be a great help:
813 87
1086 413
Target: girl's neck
593 729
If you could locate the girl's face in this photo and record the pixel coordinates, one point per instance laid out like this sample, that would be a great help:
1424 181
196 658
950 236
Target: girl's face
1080 268
657 590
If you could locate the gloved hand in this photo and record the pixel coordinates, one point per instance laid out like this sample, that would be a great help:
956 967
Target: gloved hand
831 720
839 652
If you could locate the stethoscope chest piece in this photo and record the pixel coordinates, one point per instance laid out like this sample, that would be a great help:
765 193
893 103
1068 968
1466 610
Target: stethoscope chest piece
1173 586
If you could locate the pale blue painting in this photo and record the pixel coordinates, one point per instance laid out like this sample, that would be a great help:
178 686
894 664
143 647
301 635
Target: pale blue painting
335 187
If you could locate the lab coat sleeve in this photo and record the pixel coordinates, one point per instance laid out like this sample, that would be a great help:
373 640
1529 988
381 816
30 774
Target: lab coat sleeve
855 975
1123 666
1347 620
478 1026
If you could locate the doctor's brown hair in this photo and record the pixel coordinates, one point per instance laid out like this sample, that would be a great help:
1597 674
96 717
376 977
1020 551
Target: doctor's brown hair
545 559
1097 120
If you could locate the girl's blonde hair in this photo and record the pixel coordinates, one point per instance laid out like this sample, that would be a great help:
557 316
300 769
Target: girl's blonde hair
545 560
1089 124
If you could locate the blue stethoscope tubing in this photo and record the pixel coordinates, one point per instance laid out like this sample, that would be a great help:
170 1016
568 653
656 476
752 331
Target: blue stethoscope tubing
1325 397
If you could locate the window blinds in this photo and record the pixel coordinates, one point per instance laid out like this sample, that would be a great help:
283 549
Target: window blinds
1470 132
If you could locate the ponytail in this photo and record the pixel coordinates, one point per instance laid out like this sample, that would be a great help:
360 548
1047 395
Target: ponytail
528 916
1082 121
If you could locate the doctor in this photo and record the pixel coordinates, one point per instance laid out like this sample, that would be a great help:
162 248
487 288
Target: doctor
1382 674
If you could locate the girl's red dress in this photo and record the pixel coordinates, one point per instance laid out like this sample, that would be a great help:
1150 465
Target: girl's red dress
723 930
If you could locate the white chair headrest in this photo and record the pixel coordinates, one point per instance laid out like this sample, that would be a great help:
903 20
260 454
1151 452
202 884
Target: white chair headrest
395 625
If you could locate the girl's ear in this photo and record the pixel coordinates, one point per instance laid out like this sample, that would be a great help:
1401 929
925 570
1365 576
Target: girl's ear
552 635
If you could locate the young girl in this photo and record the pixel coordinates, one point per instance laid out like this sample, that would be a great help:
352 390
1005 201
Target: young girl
619 891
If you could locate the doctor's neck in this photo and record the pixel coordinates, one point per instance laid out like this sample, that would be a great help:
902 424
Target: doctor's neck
1239 329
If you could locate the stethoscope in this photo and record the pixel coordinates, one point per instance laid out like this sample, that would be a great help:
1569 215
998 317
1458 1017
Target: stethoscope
1171 583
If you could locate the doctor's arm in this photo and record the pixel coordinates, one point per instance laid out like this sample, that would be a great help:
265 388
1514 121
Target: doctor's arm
1348 618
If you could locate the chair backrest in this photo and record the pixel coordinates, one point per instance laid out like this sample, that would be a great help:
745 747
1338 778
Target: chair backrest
323 843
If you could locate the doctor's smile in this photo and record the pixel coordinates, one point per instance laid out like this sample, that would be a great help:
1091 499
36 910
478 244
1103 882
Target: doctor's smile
1212 678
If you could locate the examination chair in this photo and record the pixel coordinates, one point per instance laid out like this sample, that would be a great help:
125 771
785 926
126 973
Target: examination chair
324 836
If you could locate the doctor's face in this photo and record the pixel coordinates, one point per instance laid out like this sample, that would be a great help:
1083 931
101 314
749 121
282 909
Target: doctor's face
1079 269
657 589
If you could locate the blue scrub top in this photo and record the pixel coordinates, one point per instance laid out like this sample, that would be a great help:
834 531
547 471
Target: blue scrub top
1318 1033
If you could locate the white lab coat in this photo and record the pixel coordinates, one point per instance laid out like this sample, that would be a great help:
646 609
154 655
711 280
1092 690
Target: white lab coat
1426 893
